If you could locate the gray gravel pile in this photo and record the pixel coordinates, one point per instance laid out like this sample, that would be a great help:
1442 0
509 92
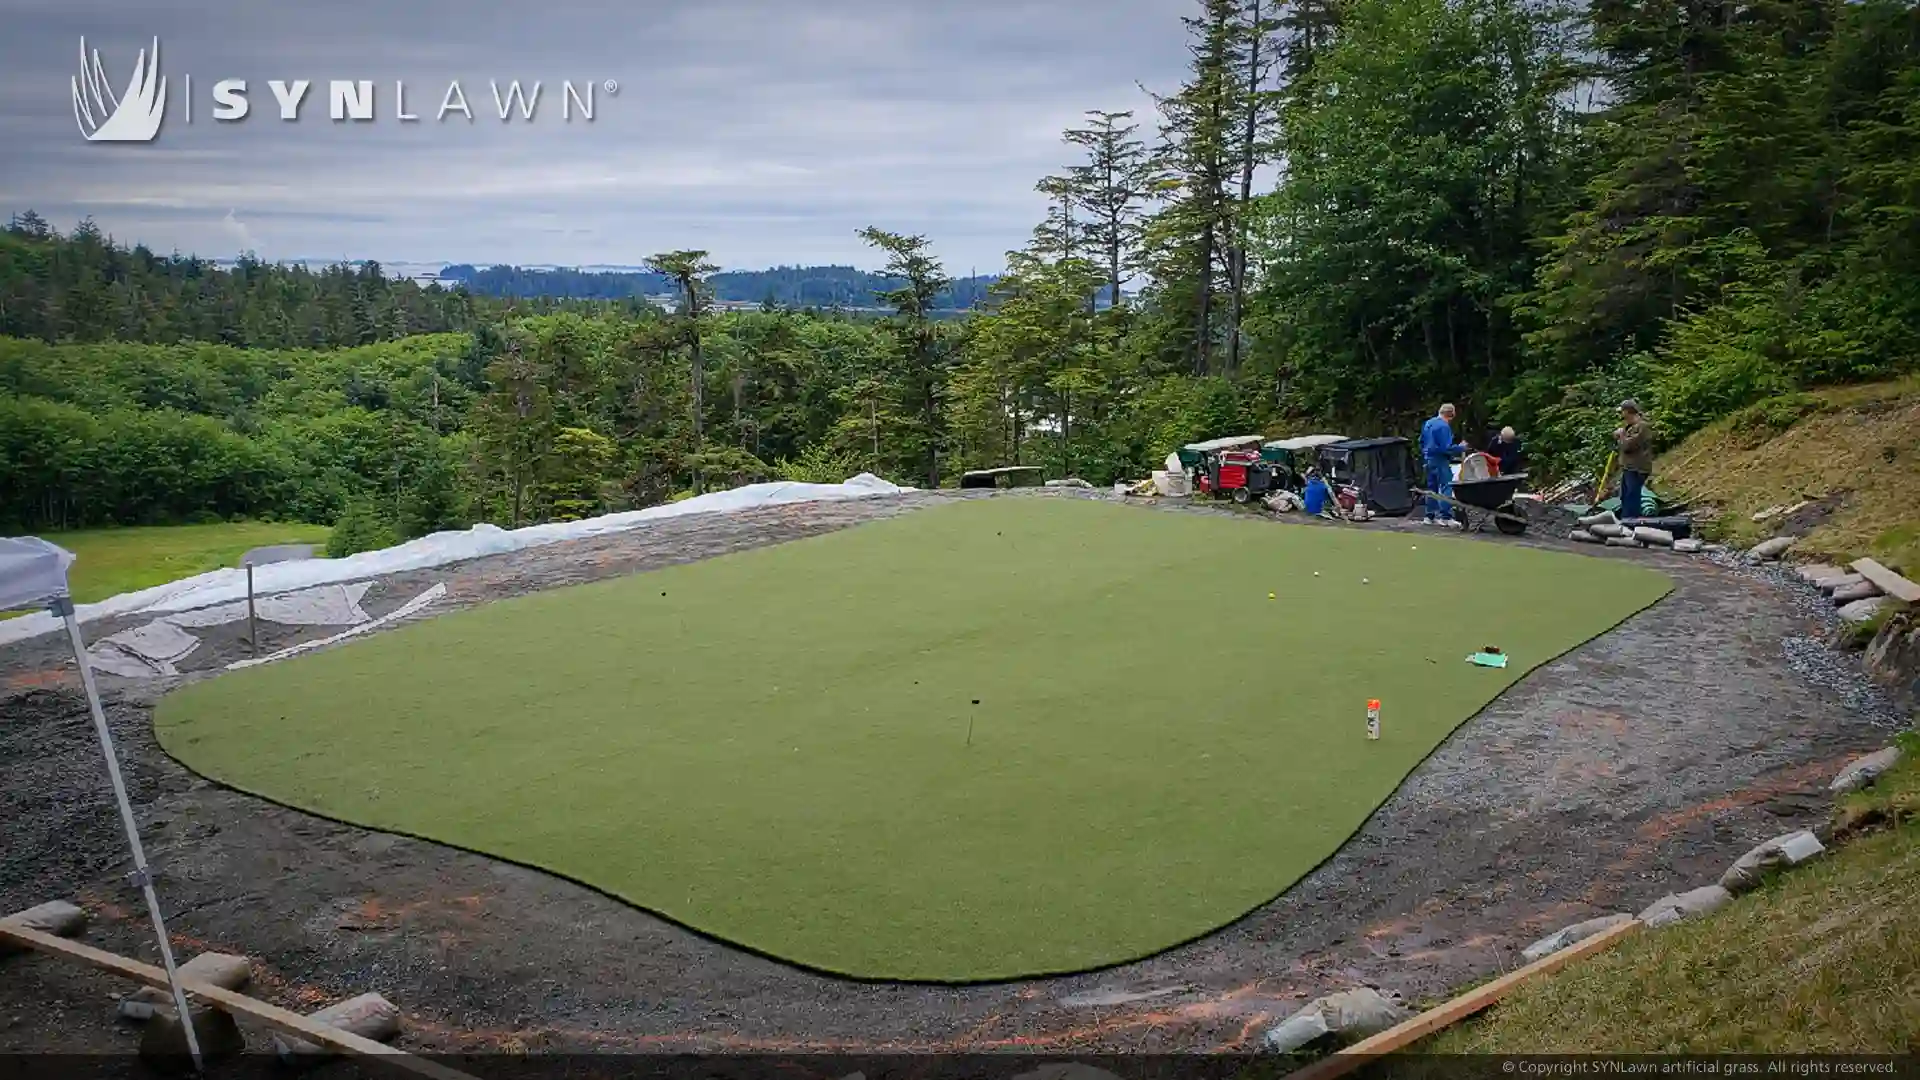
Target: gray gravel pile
1818 664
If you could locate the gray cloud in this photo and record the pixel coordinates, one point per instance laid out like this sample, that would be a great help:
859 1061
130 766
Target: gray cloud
762 130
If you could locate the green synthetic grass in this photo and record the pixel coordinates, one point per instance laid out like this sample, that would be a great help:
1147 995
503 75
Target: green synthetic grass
772 747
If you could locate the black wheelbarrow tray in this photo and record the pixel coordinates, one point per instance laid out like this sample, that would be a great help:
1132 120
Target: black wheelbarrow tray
1486 500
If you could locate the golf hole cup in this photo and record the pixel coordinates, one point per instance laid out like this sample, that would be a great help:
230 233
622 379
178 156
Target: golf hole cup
1373 718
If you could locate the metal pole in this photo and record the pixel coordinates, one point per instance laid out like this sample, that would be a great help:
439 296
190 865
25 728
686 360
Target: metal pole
253 636
63 607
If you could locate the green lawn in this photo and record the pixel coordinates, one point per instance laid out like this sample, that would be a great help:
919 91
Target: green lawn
772 747
113 561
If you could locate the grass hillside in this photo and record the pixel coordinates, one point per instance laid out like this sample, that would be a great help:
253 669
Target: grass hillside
1852 452
1824 960
108 562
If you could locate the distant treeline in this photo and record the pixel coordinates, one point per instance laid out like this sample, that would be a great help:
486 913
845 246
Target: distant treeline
782 286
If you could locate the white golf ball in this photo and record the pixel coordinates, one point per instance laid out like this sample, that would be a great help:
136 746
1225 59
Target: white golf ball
1363 581
1316 573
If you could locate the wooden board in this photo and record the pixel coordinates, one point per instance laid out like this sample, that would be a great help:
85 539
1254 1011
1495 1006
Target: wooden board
1889 582
1468 506
1399 1036
238 1004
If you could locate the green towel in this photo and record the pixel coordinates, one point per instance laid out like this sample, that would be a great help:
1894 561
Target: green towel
1488 659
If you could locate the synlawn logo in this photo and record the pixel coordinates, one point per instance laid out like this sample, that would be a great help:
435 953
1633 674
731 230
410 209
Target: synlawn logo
136 114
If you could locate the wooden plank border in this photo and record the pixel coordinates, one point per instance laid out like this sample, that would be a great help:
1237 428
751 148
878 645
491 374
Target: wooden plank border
1401 1035
273 1016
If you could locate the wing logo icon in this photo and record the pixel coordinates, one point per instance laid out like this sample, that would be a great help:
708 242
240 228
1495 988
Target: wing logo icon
132 116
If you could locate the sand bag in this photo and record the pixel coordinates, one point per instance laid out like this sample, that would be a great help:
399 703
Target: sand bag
224 970
1622 541
1347 1016
1674 907
1653 537
369 1016
56 917
1572 935
1776 854
1607 530
1604 517
1862 772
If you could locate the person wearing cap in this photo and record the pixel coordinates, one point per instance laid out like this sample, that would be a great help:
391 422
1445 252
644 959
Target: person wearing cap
1633 442
1437 447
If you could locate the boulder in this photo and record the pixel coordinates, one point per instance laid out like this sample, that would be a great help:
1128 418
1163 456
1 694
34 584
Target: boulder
224 970
369 1016
1572 935
1689 547
1774 548
1778 853
1348 1016
1859 590
164 1042
1815 573
1674 907
56 917
1862 772
1623 541
1652 536
1839 581
1860 611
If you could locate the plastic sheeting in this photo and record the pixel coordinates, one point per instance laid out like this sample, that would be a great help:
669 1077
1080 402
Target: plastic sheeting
439 549
32 570
156 647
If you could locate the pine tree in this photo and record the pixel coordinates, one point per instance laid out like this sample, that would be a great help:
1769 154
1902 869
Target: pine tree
1112 185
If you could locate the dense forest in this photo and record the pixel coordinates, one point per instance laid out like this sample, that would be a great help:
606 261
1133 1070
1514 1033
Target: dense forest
826 287
1530 210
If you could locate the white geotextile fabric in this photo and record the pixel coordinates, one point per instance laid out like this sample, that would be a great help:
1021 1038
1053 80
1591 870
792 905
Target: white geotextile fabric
32 570
439 549
155 647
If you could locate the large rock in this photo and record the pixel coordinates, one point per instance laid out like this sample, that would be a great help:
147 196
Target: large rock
1862 772
1860 611
56 917
369 1016
164 1042
1843 580
1778 853
1348 1016
1893 660
1774 548
224 970
1859 590
1572 935
1675 907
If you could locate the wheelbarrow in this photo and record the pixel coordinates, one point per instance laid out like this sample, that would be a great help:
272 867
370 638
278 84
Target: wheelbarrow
1481 501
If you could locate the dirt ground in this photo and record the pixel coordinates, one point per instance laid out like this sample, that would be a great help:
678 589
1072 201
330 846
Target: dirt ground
1643 762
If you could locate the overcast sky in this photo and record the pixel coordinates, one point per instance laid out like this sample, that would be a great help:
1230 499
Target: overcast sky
765 131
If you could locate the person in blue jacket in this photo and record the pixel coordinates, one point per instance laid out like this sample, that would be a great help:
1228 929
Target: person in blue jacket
1317 495
1437 447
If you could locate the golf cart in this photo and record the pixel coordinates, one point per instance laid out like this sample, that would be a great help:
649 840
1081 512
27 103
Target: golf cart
1008 476
1229 467
1290 458
1380 470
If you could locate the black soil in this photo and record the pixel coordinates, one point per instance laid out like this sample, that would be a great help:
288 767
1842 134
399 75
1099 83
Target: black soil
1642 762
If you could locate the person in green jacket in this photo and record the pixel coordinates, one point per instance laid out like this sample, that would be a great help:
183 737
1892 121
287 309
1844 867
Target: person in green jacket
1633 442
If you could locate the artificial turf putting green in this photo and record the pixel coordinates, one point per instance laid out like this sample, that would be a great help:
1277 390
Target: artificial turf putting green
771 747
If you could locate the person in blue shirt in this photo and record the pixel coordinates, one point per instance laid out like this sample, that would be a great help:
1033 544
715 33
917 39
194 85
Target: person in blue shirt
1437 447
1317 495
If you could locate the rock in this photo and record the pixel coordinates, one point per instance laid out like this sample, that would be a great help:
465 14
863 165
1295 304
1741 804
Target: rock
1582 536
1571 935
1774 548
1623 541
1347 1016
1815 573
1859 590
1860 611
1862 772
164 1042
1689 546
1674 907
1893 661
56 917
1608 529
224 970
1656 537
1843 580
1604 517
1776 854
369 1016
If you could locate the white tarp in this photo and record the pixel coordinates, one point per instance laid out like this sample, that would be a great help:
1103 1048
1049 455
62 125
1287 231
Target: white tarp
32 570
155 648
439 549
